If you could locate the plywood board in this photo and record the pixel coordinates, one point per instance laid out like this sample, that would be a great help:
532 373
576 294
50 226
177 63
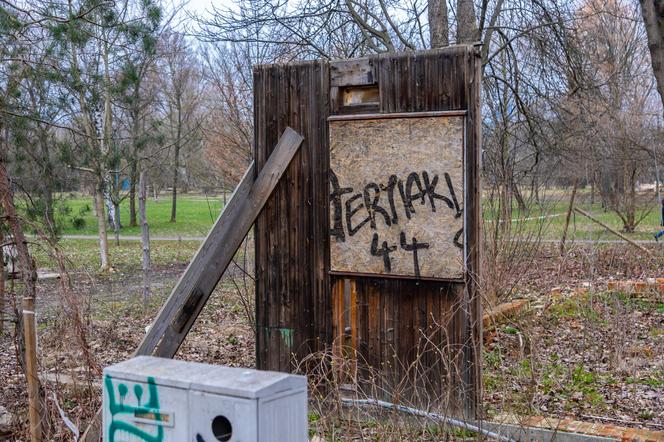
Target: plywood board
396 195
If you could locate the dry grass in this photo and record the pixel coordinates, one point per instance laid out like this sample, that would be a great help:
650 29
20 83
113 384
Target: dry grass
580 356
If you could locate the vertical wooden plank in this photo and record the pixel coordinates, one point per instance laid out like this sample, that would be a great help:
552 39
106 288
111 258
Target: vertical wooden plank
320 204
361 324
353 316
259 231
373 329
292 286
403 325
337 315
473 235
292 240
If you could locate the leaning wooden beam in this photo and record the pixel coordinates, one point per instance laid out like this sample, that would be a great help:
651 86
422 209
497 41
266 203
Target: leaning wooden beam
615 232
215 254
213 257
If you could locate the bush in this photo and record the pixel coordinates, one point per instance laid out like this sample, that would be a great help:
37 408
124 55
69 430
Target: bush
78 223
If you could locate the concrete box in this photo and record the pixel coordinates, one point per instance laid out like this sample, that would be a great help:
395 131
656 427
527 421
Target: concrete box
163 400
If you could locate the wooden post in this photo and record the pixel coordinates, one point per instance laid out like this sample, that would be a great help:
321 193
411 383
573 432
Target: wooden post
2 285
31 370
615 232
29 279
103 238
145 234
569 215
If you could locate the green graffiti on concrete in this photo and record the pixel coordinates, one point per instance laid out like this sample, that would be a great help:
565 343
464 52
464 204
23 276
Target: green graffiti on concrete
119 406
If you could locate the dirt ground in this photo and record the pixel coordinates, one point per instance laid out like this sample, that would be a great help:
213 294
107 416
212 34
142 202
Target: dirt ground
116 320
583 352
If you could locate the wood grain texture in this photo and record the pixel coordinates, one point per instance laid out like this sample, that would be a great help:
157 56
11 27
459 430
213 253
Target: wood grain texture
215 254
422 337
293 306
355 72
429 328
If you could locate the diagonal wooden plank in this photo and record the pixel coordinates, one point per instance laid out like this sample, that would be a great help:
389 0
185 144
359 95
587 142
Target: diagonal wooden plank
200 278
211 260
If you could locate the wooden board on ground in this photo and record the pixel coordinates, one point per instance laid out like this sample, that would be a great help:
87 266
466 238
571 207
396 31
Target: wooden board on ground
396 186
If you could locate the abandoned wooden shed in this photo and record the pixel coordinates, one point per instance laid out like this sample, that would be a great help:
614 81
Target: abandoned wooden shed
419 328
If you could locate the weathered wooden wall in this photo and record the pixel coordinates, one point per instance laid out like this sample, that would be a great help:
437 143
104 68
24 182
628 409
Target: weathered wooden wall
293 313
423 336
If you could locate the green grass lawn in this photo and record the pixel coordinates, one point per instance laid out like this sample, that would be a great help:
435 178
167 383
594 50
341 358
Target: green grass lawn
197 213
554 209
195 216
83 255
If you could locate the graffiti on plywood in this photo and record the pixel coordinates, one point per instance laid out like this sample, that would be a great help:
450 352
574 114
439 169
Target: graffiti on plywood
396 196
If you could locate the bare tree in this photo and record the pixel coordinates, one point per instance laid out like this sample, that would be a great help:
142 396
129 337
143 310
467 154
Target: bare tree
182 95
617 103
228 132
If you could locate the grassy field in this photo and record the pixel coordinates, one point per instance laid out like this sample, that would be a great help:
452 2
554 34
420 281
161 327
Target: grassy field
83 255
556 358
549 219
197 213
195 216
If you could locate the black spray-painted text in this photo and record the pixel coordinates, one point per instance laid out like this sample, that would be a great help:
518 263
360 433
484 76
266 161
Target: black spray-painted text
387 203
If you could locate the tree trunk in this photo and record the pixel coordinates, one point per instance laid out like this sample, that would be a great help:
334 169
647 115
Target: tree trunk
113 215
176 166
132 193
29 278
93 194
145 235
631 203
103 239
519 198
48 185
49 218
658 183
653 17
110 211
568 218
505 201
184 188
466 22
438 24
116 224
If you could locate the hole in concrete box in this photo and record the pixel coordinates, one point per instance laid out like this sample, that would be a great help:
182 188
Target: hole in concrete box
222 428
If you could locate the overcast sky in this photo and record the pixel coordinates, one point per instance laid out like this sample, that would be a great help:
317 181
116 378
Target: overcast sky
200 6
